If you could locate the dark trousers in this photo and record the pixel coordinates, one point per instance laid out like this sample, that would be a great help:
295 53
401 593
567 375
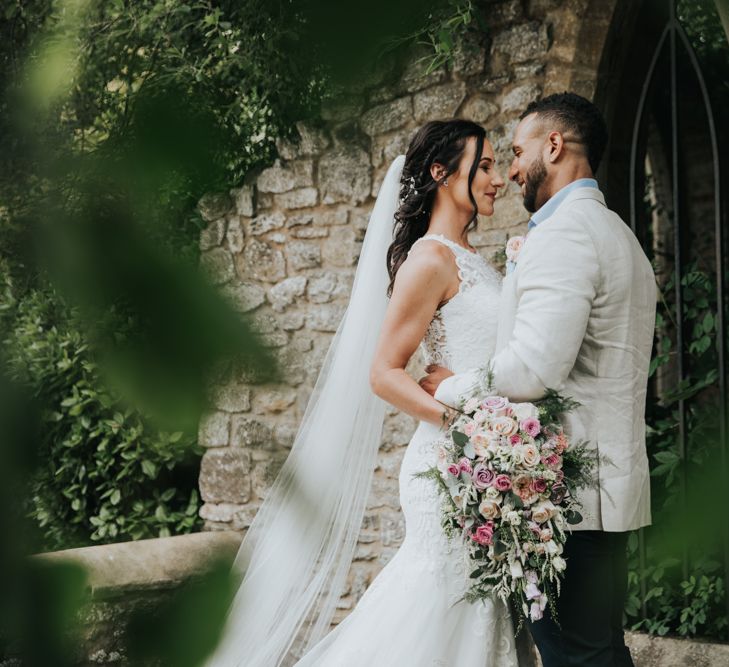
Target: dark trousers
590 607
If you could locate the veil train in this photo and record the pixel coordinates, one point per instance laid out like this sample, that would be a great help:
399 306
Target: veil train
293 562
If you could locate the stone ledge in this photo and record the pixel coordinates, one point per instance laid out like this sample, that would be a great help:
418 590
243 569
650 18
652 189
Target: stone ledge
155 564
652 651
123 569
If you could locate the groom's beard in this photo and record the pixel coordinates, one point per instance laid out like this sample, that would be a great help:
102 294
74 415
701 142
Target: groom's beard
535 177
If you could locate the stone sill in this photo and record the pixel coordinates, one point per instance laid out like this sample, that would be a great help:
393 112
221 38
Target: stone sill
116 570
145 565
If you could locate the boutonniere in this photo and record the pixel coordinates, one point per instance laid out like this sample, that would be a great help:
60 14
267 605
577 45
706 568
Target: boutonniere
513 248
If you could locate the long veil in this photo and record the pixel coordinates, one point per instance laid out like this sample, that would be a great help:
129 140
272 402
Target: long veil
295 557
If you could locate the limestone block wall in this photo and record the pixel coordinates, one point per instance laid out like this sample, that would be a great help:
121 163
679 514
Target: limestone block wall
284 249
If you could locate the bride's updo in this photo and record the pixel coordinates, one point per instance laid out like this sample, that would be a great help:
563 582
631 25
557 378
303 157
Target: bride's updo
442 142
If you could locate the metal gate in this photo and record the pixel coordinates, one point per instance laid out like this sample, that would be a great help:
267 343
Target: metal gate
665 173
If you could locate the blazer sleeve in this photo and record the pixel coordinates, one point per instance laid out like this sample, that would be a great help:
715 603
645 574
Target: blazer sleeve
558 274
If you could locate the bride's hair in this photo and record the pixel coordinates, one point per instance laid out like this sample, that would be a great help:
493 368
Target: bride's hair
442 142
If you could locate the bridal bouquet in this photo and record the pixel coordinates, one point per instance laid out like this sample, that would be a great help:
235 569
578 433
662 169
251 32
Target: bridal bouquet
508 474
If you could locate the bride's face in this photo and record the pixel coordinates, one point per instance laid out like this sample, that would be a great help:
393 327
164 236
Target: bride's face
486 183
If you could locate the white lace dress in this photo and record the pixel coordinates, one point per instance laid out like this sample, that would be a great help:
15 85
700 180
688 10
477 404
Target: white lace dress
410 616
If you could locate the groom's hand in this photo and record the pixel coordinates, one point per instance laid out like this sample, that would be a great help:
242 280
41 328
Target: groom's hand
435 375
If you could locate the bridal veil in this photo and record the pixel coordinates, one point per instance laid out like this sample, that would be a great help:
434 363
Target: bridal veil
294 560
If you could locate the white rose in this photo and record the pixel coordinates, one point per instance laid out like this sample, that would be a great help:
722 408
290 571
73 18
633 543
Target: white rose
543 511
442 460
545 534
559 563
531 455
517 455
514 518
540 549
493 494
553 549
504 426
524 411
488 509
481 416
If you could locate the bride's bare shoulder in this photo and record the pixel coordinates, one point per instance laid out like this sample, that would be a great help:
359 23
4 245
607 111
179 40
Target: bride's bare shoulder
430 255
428 261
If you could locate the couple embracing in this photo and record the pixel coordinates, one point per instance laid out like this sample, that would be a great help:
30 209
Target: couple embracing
574 313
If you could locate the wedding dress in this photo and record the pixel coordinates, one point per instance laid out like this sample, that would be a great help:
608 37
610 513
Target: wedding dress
293 562
412 615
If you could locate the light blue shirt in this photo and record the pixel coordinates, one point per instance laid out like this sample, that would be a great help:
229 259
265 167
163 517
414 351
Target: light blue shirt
556 199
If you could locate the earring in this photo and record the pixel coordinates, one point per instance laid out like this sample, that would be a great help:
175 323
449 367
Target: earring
445 182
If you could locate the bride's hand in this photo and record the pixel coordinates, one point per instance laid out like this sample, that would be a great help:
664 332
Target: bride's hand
435 375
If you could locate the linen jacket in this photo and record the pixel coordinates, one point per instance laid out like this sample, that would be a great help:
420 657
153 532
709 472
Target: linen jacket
577 315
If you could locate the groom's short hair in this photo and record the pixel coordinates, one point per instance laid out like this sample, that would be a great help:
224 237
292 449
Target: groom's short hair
575 114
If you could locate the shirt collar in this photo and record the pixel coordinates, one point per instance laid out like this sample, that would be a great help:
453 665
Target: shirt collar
555 200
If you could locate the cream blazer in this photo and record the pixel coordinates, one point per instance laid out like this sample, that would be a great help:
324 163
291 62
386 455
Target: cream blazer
577 315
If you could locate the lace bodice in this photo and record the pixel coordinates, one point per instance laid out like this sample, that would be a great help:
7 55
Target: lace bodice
462 334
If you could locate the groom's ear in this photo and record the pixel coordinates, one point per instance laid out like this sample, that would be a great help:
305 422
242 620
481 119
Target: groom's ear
555 141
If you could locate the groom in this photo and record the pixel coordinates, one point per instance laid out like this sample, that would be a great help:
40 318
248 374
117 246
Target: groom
577 314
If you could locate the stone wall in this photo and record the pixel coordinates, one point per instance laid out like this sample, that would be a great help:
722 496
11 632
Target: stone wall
284 248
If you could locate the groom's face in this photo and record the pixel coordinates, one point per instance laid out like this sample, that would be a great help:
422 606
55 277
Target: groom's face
528 169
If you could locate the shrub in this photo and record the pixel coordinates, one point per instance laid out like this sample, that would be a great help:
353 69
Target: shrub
104 474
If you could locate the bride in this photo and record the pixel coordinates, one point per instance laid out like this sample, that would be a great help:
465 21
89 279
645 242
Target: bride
296 555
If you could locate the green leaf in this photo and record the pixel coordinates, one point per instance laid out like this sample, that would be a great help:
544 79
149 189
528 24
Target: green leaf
459 438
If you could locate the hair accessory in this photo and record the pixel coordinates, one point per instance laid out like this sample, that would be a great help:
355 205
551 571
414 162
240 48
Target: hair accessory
411 189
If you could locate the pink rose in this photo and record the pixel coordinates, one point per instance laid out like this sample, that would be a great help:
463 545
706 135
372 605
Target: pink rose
502 482
454 470
515 439
531 591
522 485
539 485
496 405
482 476
545 534
470 428
465 466
484 534
536 611
513 247
553 461
531 426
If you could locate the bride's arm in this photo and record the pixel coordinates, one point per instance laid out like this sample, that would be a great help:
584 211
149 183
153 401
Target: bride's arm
427 278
